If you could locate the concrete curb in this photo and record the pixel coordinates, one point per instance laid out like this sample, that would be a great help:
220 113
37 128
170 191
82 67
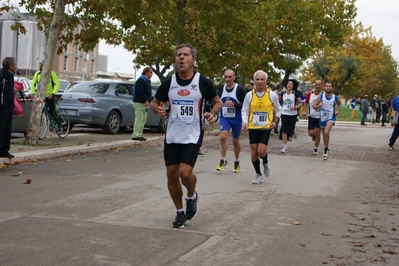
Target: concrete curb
62 151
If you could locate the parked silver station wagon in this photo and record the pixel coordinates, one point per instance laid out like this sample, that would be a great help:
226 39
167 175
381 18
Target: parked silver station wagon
106 104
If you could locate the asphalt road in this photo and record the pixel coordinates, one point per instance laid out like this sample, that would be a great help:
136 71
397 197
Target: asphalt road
112 207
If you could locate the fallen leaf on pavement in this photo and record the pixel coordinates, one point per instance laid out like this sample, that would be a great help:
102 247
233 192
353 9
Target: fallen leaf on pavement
357 244
17 174
28 181
389 252
297 223
105 160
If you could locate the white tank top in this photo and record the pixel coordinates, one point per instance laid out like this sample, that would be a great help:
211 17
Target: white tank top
184 124
288 102
327 111
315 113
228 111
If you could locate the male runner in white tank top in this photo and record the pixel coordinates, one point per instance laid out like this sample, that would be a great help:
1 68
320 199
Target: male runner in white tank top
186 92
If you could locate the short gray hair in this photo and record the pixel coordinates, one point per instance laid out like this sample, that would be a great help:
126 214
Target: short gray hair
8 62
261 72
193 50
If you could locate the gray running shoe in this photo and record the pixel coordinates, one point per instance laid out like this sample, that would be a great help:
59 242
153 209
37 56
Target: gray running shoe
267 169
258 179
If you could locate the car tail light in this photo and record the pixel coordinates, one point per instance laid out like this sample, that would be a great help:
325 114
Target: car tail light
86 100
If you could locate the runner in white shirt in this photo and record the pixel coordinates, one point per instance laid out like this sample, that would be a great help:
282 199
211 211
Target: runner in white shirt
314 115
290 102
186 92
232 95
329 105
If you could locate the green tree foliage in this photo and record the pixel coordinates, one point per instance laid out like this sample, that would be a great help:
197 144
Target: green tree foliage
237 34
243 35
389 75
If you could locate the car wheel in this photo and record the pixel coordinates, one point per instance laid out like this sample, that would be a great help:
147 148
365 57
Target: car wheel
163 123
112 123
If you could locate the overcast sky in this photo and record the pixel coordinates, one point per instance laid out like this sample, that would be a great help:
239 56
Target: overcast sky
381 15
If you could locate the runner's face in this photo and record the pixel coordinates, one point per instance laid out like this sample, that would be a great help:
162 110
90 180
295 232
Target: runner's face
184 60
290 85
229 78
260 81
328 87
317 85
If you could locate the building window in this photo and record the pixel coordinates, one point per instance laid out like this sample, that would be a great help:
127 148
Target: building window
75 64
65 62
76 50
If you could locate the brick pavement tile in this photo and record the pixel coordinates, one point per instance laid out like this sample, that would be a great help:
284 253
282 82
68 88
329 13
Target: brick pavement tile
338 152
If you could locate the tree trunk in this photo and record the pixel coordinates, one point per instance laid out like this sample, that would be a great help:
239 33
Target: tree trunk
41 88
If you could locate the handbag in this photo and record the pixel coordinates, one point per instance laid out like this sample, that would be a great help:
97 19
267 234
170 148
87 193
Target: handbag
17 109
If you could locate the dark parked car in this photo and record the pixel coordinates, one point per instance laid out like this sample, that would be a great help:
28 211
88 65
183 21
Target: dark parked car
106 104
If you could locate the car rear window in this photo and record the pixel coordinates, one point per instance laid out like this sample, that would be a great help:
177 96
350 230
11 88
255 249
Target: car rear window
63 85
91 87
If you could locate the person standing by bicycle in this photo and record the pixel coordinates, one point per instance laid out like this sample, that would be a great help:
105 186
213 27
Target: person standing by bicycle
52 89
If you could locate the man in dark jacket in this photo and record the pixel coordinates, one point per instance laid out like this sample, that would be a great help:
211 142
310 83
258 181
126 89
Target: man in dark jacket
6 105
364 107
141 102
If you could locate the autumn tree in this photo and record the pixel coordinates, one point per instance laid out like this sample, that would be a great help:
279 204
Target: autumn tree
357 66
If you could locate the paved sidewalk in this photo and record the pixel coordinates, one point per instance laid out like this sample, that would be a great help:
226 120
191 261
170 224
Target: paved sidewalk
114 208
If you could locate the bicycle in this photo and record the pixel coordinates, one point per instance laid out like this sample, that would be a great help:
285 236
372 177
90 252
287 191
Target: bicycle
47 121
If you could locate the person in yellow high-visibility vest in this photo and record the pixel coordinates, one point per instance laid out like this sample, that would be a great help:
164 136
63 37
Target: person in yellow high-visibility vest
51 91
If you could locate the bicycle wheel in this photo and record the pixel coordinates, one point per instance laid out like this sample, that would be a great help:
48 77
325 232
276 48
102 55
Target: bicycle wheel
43 126
65 126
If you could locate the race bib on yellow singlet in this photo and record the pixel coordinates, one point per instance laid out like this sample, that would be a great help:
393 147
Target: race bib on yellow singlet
260 118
